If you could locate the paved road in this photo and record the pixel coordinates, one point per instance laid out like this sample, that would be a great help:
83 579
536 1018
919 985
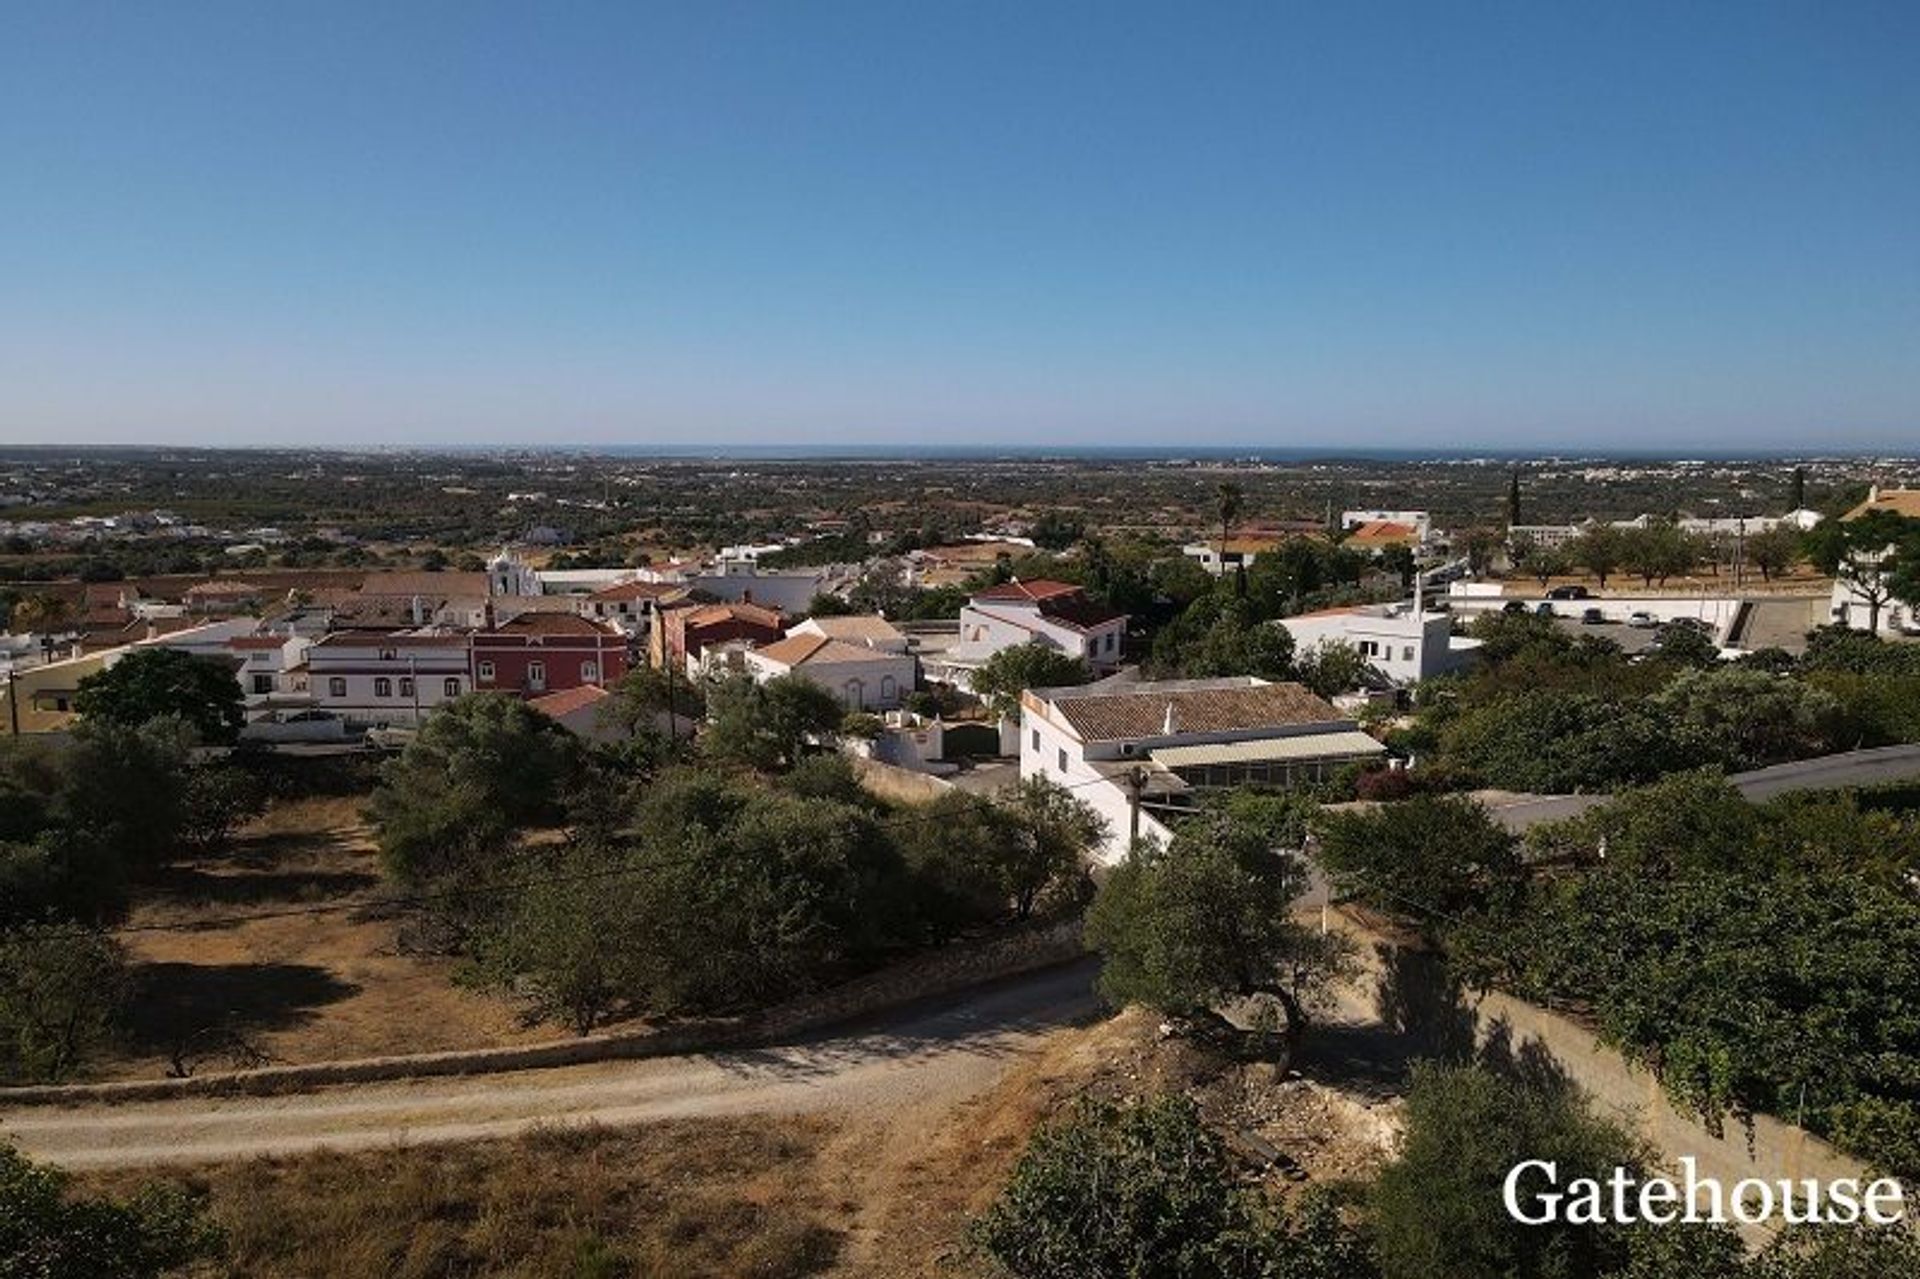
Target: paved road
1852 768
920 1056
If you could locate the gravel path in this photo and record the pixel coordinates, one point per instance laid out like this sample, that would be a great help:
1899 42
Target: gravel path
921 1056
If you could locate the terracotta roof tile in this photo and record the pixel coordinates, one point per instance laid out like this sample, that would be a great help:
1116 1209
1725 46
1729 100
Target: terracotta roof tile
1122 716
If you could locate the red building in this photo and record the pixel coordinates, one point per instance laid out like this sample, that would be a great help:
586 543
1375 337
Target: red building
538 653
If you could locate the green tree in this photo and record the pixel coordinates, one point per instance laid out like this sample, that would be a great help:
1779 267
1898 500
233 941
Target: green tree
1656 551
60 990
1206 920
576 942
1868 556
767 726
1774 551
49 1231
1599 550
477 770
156 683
1144 1191
1051 833
956 848
1543 563
1332 667
1437 1209
1011 671
1228 499
1750 717
1434 858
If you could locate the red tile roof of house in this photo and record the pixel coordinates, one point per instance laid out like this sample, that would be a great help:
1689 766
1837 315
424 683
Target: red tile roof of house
1028 592
1131 714
1383 533
550 624
569 700
713 614
257 641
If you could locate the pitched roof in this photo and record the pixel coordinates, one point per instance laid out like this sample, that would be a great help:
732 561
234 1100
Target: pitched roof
854 629
257 641
714 614
1383 532
224 586
1078 611
803 650
569 700
1142 711
637 591
424 583
544 623
1027 592
1899 501
386 639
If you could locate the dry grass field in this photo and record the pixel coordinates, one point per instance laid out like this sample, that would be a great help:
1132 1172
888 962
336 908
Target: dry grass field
300 987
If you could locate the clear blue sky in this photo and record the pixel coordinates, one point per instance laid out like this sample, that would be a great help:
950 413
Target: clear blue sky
1528 224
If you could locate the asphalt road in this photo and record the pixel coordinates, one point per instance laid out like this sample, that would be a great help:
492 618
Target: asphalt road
922 1055
1851 768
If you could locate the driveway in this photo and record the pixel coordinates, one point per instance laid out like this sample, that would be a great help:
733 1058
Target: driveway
935 1054
1827 772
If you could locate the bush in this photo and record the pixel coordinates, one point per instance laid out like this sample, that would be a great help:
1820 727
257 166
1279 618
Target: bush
48 1232
1144 1191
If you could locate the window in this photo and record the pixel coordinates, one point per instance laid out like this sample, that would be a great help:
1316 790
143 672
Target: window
383 687
336 687
889 688
1406 654
856 694
589 672
406 686
1036 739
263 683
486 672
1113 637
537 674
1063 760
389 655
453 688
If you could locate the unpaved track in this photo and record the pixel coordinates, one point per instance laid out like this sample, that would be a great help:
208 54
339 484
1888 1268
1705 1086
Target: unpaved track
923 1056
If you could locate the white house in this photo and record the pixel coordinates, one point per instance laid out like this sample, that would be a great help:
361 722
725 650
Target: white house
375 678
863 678
1401 642
1849 605
1057 615
1170 739
1421 522
1219 557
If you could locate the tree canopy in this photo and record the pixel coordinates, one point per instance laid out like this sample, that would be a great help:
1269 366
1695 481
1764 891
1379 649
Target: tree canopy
157 683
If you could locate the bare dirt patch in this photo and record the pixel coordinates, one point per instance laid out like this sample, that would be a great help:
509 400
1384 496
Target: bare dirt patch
293 987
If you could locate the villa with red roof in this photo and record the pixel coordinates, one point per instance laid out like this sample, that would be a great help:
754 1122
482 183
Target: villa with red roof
1057 615
865 677
538 653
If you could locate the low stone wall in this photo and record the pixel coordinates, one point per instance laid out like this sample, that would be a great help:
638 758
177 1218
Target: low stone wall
940 972
898 785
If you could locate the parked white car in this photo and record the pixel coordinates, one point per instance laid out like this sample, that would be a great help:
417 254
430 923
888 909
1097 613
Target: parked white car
1642 620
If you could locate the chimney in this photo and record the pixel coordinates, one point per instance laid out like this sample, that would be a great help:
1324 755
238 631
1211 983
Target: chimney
486 615
1167 726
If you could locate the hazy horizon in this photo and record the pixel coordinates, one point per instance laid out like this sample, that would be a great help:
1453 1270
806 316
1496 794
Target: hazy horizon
1644 228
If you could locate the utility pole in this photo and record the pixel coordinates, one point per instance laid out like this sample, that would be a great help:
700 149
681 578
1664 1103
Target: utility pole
13 700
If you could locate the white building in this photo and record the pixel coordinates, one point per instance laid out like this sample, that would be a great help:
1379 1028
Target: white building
508 574
1404 644
1057 615
1219 557
1848 605
1421 522
1174 738
374 678
863 678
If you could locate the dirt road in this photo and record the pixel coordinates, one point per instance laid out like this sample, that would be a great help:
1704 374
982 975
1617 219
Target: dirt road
924 1056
